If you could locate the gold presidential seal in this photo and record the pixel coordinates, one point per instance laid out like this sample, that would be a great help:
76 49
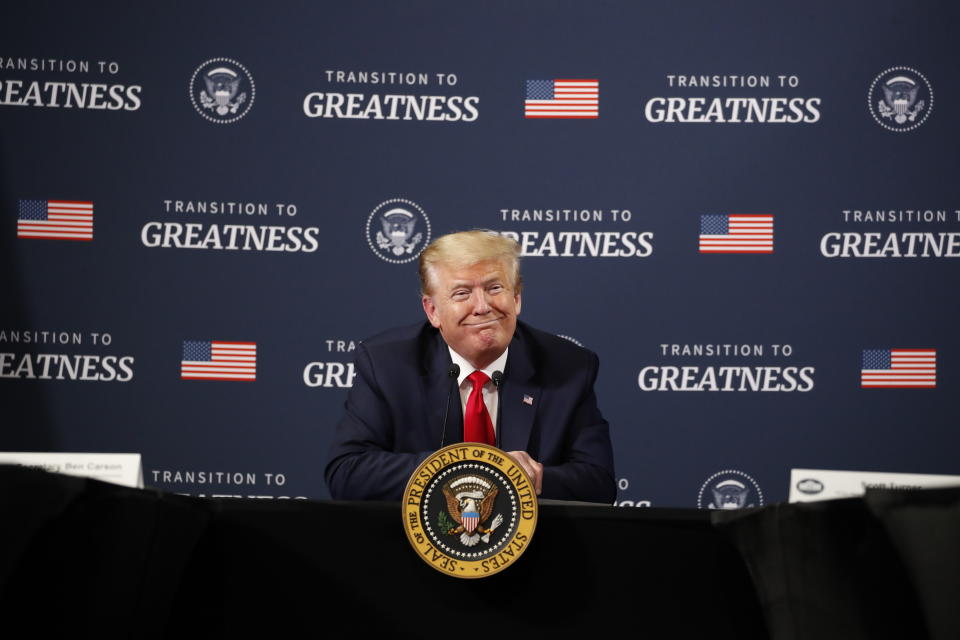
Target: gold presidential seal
469 510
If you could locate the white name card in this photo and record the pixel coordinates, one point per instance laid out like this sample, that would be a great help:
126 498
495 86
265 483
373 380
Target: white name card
808 485
124 469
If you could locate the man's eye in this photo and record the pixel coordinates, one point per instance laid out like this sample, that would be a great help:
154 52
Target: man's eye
496 288
460 295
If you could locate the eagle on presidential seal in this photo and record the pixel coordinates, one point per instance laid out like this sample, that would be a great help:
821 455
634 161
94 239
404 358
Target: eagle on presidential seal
470 501
222 87
900 100
730 494
398 225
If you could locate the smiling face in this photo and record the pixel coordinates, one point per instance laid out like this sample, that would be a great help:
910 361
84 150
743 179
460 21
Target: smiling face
475 308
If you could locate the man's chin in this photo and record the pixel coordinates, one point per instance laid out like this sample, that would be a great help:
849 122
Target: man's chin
486 349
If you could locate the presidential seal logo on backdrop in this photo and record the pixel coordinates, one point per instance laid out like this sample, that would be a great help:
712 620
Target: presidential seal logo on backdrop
398 230
730 489
222 90
900 99
469 510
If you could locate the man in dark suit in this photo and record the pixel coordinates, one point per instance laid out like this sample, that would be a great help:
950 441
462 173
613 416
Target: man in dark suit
405 402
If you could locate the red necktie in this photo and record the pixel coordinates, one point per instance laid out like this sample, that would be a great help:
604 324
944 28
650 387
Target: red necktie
477 426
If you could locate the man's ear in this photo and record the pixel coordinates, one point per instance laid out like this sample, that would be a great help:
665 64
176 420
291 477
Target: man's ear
518 303
430 309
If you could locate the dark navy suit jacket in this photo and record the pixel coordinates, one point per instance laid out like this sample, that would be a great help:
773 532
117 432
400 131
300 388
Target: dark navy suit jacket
395 410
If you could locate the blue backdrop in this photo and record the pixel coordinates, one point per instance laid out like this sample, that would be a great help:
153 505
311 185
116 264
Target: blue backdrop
241 163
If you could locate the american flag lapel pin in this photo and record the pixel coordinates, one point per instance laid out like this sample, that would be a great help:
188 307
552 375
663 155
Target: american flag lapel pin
528 400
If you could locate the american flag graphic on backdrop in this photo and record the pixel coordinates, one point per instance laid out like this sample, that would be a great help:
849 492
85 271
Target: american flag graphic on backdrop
562 99
736 233
905 368
55 219
218 360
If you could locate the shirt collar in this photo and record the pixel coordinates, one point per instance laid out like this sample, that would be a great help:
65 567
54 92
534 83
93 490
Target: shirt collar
466 368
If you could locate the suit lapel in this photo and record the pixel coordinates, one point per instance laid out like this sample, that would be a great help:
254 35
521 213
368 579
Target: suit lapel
521 393
437 388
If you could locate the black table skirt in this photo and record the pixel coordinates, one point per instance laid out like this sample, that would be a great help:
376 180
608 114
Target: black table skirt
80 556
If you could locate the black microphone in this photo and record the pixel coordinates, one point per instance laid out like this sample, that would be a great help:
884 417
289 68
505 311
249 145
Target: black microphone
497 379
453 373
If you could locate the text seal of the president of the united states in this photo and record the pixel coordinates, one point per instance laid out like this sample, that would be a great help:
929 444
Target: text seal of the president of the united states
469 510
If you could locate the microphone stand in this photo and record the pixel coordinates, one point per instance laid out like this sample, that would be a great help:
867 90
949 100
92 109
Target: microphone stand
497 378
453 373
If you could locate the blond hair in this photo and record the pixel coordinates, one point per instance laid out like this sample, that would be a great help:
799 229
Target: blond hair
466 248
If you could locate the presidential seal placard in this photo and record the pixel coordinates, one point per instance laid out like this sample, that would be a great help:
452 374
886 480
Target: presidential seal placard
469 510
